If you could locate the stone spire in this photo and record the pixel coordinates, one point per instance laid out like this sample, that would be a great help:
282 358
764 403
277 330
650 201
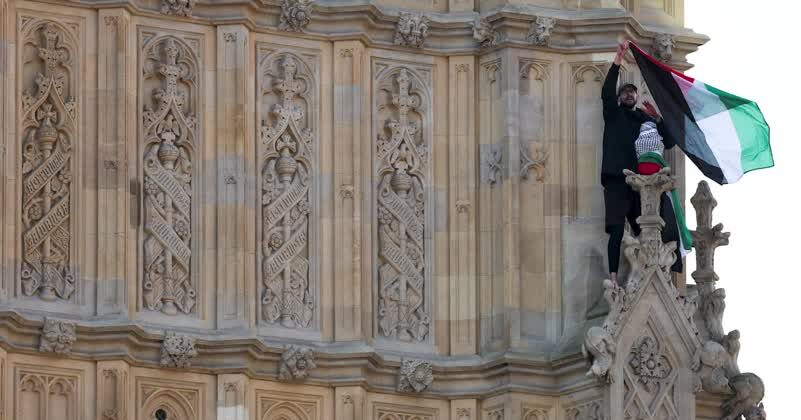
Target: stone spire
706 238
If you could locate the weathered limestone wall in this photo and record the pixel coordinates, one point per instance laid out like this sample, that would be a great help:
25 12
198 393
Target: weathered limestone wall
376 193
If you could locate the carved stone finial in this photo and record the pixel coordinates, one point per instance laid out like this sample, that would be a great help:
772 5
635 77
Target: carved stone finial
57 336
177 7
485 34
295 15
177 350
706 238
415 375
412 30
663 47
296 363
599 344
539 31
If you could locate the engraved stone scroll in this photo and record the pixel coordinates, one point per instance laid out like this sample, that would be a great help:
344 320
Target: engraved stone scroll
49 128
169 128
287 168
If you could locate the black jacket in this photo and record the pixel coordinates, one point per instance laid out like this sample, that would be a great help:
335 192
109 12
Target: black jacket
621 129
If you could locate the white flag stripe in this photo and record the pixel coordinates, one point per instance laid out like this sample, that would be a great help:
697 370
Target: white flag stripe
723 140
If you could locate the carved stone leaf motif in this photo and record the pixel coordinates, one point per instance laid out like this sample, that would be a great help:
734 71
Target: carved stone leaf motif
295 15
287 173
401 163
412 30
49 128
57 336
169 128
177 350
415 375
539 31
296 363
177 7
536 162
485 34
402 413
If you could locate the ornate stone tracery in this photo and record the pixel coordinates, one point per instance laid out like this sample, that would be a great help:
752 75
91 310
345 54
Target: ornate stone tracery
170 134
286 172
402 167
49 129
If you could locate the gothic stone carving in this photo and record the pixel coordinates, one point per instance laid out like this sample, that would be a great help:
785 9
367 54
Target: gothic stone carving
414 376
650 379
746 402
169 131
539 31
177 7
177 350
712 310
663 47
40 392
296 363
592 410
57 336
485 34
709 364
599 343
706 238
492 160
536 162
649 362
401 163
49 128
412 30
287 174
295 15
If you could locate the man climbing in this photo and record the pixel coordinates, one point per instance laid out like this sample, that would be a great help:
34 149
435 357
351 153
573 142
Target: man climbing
622 127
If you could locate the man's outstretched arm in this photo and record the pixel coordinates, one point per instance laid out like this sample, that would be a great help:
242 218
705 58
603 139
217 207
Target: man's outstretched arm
609 89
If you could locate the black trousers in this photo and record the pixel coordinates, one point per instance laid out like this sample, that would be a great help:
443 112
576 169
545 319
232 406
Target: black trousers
621 204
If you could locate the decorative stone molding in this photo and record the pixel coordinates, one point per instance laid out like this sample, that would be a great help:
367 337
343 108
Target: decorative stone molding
485 34
415 376
296 363
649 362
57 336
411 30
177 350
539 31
169 131
177 7
534 162
230 36
464 414
663 47
592 410
50 124
295 15
401 162
287 176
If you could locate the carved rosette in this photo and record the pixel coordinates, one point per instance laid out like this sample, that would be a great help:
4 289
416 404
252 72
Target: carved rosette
287 170
177 350
57 336
49 128
415 375
650 379
402 162
295 15
412 30
170 131
296 363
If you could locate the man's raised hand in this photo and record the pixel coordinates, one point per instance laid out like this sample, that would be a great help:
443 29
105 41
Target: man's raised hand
649 109
622 48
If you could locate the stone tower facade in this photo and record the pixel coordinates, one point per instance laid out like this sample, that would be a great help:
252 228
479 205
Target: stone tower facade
350 210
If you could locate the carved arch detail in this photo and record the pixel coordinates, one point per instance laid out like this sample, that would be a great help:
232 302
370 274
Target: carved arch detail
174 405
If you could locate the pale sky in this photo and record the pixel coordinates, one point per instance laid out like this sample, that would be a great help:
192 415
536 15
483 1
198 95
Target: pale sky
752 53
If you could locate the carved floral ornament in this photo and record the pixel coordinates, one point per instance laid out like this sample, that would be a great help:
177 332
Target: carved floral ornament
296 363
49 129
177 7
177 350
411 30
415 376
57 336
402 161
539 31
287 171
170 134
295 15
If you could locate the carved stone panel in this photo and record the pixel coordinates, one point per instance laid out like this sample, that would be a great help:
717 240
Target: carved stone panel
49 131
650 374
287 169
169 400
401 162
47 394
169 89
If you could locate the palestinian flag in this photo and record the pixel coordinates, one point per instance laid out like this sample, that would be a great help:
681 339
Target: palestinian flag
723 134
